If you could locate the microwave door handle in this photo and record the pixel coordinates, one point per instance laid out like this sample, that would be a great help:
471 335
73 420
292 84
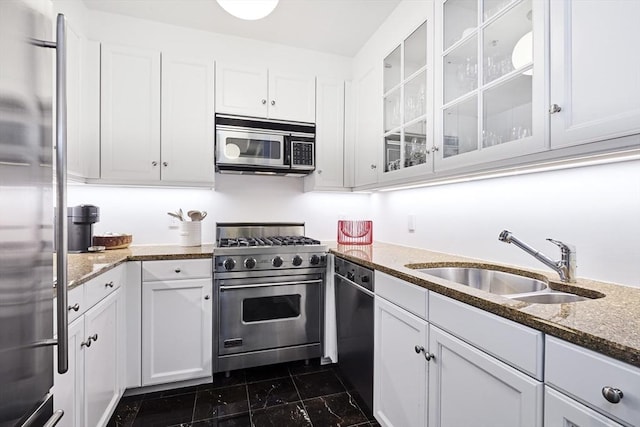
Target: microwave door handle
287 150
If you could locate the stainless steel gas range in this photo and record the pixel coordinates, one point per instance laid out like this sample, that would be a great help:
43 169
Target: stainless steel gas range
269 283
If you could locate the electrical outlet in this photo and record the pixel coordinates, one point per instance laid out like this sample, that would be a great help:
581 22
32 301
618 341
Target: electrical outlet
411 225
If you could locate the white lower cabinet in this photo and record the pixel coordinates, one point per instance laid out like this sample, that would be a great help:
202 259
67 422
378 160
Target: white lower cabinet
176 323
400 373
562 411
90 390
468 387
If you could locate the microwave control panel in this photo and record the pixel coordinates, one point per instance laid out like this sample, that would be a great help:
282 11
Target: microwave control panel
302 153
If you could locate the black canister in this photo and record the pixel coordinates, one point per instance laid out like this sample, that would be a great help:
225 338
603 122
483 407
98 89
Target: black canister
80 220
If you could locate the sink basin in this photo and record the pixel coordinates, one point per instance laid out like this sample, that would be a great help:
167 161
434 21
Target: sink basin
551 298
493 281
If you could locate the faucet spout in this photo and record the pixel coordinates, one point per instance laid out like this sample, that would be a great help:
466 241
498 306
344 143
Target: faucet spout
565 267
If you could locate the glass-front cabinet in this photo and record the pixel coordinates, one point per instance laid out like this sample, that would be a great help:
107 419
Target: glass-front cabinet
406 107
490 104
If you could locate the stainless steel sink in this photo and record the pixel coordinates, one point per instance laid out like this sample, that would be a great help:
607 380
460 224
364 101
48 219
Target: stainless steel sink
550 298
493 281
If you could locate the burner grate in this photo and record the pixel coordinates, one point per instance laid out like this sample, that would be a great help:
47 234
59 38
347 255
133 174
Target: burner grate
243 242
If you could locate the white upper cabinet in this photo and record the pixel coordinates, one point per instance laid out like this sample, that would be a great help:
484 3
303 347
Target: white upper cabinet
83 106
330 103
491 77
367 130
595 70
188 133
130 113
292 97
258 92
156 126
241 90
407 73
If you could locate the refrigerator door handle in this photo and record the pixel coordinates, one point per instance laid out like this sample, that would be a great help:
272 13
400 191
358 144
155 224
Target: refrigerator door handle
60 45
61 190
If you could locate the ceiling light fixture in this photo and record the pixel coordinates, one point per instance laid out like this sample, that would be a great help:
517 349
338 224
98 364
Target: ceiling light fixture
248 9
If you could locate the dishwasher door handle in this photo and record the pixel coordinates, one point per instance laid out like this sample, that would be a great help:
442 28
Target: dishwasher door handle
354 284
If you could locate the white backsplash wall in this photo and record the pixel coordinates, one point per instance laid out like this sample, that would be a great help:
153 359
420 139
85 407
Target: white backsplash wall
142 211
596 208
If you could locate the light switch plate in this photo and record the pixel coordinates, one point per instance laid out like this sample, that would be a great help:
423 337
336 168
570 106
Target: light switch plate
412 223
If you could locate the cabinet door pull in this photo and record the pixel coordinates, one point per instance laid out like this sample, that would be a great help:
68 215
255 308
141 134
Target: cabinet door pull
207 297
420 349
109 284
374 167
165 164
554 108
154 163
264 101
87 343
613 395
273 102
435 148
74 307
178 270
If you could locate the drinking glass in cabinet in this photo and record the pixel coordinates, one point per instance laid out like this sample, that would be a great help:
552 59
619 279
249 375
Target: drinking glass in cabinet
502 41
491 7
392 73
415 143
460 20
392 152
461 123
461 70
392 113
415 51
507 110
415 97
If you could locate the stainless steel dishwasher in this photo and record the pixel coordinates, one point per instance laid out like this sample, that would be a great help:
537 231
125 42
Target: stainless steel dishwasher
354 289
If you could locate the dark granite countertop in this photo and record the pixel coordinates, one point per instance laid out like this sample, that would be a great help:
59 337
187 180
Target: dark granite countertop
84 267
609 325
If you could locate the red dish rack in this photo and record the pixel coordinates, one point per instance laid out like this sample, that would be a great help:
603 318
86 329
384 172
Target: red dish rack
355 232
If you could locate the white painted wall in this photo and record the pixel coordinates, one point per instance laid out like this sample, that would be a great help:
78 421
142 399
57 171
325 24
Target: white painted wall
143 211
596 208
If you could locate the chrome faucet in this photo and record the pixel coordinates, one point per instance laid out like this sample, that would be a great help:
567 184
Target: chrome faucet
566 267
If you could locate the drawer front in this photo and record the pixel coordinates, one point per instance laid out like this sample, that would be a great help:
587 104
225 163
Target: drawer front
561 410
514 344
411 297
153 271
583 374
98 288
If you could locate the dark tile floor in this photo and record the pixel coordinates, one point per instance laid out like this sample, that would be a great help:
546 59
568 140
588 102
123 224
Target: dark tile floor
286 395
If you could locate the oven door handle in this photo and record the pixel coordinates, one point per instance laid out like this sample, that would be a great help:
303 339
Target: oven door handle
265 285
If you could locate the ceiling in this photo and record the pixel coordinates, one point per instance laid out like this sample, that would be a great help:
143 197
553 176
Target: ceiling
333 26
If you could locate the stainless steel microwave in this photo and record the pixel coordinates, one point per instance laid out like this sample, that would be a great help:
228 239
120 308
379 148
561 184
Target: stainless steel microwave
262 146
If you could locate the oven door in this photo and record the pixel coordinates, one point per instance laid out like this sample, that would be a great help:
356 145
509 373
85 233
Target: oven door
268 312
238 148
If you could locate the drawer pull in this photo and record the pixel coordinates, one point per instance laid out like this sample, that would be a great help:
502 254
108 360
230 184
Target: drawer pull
207 297
87 343
420 349
613 395
109 284
74 307
177 270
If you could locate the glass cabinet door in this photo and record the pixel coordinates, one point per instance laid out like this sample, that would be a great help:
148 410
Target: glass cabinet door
490 102
405 103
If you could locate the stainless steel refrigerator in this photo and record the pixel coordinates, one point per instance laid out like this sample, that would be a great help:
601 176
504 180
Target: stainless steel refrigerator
28 165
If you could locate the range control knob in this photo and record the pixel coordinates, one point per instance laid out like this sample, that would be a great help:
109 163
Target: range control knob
229 264
277 261
365 279
314 260
297 260
249 262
